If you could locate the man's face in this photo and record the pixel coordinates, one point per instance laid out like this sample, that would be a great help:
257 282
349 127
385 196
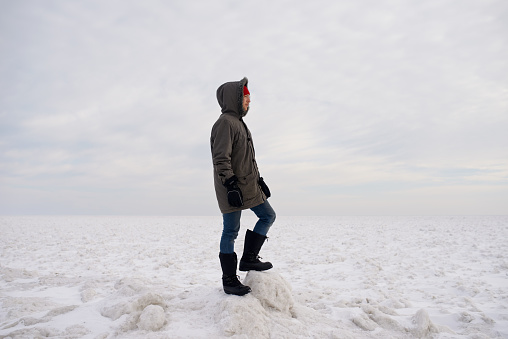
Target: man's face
246 102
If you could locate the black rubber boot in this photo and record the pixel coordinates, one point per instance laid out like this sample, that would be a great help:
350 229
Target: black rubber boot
230 282
250 258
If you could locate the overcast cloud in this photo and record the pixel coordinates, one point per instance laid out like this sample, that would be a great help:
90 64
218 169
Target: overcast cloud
358 107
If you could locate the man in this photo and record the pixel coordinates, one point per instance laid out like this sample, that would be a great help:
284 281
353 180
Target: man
238 186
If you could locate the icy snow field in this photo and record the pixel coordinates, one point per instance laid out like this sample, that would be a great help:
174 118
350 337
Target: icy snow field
333 277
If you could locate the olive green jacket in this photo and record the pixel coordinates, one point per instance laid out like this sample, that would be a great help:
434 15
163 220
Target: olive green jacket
233 150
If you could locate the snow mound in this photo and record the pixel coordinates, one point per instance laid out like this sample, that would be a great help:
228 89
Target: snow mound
88 295
135 306
364 322
152 318
20 307
382 319
270 308
271 289
73 331
255 314
424 327
422 322
375 316
243 316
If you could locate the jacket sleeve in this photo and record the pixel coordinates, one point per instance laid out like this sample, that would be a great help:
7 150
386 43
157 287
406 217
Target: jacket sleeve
221 143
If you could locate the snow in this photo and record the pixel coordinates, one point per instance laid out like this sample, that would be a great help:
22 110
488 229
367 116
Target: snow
152 318
333 277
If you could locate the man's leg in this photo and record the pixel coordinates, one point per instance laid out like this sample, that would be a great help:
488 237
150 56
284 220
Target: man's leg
227 255
254 239
231 222
266 216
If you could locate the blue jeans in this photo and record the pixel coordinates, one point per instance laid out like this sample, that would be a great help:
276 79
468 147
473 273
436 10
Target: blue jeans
266 216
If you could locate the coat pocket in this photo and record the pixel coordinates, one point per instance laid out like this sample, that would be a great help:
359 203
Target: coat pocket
248 184
244 180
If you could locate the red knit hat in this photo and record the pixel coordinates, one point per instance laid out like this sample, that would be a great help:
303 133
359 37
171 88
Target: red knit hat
245 90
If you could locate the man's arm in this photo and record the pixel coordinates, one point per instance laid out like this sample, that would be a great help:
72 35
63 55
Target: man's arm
222 145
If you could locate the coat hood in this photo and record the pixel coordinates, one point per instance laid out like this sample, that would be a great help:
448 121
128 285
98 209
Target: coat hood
230 97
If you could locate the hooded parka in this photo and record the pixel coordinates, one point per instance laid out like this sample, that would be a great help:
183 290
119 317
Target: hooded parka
233 150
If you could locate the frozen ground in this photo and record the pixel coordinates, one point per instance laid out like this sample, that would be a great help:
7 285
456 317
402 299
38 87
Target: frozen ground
333 277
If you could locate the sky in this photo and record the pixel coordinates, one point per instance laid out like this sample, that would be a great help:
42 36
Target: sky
363 107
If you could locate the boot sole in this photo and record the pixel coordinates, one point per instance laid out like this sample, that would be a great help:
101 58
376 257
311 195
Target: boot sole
246 267
239 293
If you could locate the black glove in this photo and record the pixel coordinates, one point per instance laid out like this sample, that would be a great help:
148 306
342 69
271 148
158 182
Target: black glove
264 188
235 197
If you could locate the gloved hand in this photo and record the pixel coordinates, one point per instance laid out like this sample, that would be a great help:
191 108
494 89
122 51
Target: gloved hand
235 197
264 188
